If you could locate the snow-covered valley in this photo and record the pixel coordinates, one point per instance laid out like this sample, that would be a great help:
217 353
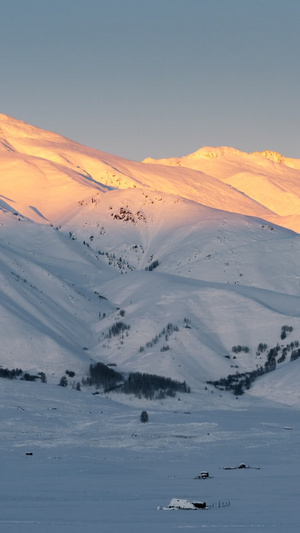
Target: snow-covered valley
95 466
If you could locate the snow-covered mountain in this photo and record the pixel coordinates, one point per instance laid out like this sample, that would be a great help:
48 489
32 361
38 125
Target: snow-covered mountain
267 177
194 255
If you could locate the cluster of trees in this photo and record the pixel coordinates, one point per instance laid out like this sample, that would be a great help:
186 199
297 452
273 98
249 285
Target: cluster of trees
15 373
168 330
101 375
187 323
124 214
165 332
64 383
270 363
70 373
29 377
241 381
239 348
152 387
295 354
285 330
10 374
117 329
238 382
261 348
141 216
287 349
142 385
120 262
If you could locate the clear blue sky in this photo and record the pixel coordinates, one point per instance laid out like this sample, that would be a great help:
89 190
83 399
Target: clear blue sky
157 78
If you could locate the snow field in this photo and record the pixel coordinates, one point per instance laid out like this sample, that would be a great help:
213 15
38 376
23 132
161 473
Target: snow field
95 466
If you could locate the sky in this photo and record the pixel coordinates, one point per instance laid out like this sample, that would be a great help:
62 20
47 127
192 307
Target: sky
159 78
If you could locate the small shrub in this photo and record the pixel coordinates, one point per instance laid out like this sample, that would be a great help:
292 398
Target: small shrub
144 417
261 348
285 330
152 265
165 348
63 382
43 377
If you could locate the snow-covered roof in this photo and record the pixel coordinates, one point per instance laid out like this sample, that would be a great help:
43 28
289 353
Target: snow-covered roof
181 504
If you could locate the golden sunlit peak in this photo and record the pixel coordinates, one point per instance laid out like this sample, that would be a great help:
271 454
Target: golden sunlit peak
275 157
272 156
211 152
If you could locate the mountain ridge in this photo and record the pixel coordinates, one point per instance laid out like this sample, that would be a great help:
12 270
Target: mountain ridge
84 237
114 172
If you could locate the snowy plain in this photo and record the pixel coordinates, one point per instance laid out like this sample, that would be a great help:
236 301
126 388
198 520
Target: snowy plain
96 467
79 231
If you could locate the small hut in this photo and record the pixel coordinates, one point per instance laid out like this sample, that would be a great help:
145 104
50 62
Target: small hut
179 504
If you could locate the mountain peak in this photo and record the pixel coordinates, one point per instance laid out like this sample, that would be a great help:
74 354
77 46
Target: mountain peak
211 152
4 117
272 156
263 184
14 128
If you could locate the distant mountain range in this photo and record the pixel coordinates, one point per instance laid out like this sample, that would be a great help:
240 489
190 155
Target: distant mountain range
196 255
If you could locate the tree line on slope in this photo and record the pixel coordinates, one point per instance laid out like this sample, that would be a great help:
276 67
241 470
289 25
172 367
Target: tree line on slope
142 385
241 381
16 373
